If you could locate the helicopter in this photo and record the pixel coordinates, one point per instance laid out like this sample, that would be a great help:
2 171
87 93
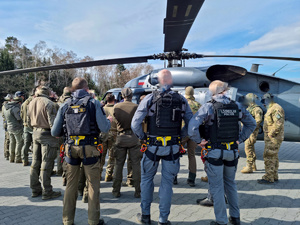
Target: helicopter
180 16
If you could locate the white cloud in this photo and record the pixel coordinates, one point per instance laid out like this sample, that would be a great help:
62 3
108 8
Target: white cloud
284 38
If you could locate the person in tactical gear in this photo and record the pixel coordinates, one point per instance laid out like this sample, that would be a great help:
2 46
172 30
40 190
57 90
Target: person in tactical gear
222 137
41 112
165 110
126 143
7 99
273 136
257 114
109 140
21 95
27 133
62 99
191 145
80 119
15 128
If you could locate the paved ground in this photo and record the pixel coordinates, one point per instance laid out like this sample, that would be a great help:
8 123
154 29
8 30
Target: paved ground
259 204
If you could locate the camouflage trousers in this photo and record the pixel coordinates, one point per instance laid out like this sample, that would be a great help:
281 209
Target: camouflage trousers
43 156
6 145
272 147
249 148
15 145
27 136
108 146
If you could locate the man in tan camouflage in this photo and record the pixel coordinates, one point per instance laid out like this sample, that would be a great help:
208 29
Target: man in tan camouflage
191 145
109 140
257 114
7 99
41 115
273 135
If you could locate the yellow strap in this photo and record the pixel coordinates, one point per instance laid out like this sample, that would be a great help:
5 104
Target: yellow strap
77 139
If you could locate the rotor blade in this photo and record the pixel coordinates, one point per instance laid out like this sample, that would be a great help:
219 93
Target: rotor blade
181 15
252 57
138 59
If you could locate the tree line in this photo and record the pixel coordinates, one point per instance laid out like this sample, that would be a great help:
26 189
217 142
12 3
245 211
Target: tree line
16 55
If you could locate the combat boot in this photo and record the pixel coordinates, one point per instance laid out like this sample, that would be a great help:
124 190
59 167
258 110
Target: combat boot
101 222
254 167
143 219
235 220
247 169
25 163
204 179
53 194
108 178
36 194
205 202
191 179
19 161
263 181
116 194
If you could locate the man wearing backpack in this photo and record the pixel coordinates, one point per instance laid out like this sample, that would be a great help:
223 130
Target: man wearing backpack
221 117
80 119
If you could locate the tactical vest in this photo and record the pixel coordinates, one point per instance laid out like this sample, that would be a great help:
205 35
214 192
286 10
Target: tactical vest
166 113
80 120
225 124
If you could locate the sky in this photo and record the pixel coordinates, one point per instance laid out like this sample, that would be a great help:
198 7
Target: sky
107 29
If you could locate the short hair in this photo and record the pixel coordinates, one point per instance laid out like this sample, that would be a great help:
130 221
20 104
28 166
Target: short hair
79 83
110 98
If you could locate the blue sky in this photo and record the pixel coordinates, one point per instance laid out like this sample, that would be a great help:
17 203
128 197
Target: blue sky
106 29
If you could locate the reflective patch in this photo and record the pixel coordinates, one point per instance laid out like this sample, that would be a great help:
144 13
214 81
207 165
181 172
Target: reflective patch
278 116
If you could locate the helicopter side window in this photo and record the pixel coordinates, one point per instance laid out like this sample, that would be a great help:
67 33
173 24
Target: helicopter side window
264 86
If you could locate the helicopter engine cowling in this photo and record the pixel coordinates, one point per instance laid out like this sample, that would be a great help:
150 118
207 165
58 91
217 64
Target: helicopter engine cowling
225 72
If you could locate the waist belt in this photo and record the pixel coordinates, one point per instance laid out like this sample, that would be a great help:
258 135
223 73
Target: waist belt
126 132
163 141
82 140
220 162
77 161
222 146
85 160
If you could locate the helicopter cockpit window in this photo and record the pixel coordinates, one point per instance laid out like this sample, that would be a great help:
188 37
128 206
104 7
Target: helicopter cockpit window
264 86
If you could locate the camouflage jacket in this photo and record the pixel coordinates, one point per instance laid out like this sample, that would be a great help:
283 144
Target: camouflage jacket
274 121
62 99
257 114
12 116
194 105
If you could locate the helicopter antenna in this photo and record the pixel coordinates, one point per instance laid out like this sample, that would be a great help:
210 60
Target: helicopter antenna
279 70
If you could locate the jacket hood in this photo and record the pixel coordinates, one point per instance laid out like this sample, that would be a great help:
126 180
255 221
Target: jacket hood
80 93
10 105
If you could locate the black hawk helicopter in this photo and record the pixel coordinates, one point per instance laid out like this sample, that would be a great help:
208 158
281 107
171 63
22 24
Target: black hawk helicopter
179 19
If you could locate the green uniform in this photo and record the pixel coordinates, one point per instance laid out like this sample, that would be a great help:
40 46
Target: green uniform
41 115
257 114
191 145
15 129
27 134
126 142
6 139
109 140
273 135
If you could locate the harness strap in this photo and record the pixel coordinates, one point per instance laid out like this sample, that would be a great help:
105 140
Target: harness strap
220 162
157 158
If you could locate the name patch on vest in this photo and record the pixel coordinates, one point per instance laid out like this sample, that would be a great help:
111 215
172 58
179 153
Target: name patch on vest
227 112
